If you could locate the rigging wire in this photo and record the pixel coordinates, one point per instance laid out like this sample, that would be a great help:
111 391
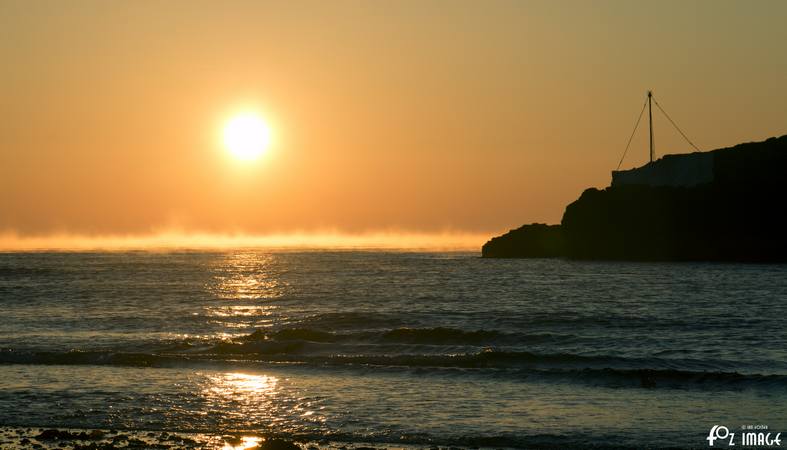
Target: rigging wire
632 133
675 125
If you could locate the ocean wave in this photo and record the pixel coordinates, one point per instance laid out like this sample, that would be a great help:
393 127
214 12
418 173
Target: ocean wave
261 347
441 335
291 334
425 336
594 370
349 321
76 357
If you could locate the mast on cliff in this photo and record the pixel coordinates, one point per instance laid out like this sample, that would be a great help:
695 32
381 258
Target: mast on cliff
650 120
649 103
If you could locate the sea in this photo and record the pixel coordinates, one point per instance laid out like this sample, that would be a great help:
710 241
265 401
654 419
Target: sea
395 348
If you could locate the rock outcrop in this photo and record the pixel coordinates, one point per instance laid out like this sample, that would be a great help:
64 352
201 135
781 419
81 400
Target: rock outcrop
528 241
740 215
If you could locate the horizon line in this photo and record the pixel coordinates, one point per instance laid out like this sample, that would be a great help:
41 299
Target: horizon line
178 240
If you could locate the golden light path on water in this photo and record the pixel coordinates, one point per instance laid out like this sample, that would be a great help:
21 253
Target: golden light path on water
247 276
246 391
258 400
244 282
244 276
247 280
241 389
245 442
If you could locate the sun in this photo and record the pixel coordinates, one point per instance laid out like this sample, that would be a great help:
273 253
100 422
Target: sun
246 136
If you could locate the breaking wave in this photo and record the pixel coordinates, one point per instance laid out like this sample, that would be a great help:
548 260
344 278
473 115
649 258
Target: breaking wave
567 368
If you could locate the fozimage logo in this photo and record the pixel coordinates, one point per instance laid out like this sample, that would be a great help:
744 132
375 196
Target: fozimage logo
747 437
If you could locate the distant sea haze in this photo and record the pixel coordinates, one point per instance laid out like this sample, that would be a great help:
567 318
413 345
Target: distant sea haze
169 239
392 347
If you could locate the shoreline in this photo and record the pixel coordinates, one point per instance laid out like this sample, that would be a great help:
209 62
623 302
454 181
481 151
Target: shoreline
12 437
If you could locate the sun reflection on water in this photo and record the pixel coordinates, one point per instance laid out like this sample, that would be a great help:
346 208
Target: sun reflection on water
249 280
242 384
241 316
247 276
241 311
256 401
245 442
244 397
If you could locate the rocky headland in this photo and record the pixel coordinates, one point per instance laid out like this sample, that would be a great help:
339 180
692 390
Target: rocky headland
728 204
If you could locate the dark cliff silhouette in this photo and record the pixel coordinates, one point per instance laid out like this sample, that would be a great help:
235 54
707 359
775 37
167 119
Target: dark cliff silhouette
535 241
738 212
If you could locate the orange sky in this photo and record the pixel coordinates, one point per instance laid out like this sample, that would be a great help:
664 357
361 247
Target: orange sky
411 117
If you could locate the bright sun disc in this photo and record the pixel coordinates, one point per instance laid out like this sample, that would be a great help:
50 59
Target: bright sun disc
246 136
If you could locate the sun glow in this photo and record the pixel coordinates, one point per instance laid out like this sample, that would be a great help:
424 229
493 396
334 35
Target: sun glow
246 136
